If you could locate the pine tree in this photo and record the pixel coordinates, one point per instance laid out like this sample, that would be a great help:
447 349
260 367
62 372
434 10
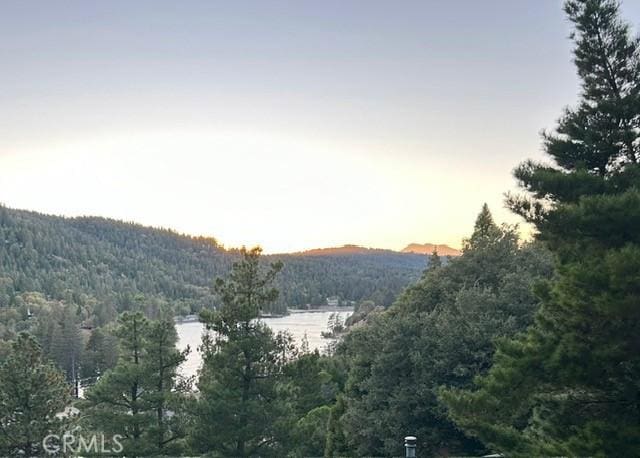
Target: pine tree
434 261
440 332
32 393
594 143
571 384
240 411
66 346
117 404
99 355
485 231
166 390
140 398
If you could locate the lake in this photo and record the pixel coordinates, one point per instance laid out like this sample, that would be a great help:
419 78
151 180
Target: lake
299 323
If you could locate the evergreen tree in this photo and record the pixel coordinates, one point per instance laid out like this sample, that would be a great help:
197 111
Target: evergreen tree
99 355
167 390
240 411
116 404
594 143
335 439
140 398
32 393
440 332
66 346
571 384
312 383
485 230
434 261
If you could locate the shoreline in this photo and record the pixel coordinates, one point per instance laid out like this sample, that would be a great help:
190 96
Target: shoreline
316 309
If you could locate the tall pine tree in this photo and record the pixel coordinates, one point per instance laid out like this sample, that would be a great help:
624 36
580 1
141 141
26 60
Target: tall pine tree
141 398
571 384
116 404
240 411
167 391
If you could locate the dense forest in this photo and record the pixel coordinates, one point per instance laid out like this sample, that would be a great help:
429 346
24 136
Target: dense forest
111 266
515 348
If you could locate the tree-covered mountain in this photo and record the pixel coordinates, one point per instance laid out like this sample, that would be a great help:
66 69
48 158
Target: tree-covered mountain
349 273
116 266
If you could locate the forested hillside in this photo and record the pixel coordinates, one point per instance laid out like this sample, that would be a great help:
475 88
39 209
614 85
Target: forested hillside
377 275
440 331
118 266
515 348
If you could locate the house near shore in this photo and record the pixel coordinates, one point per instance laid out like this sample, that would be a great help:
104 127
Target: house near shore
333 301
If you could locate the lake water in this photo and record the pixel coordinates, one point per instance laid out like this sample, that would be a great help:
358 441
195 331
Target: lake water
299 323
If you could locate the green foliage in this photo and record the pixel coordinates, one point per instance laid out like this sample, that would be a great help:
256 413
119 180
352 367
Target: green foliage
597 140
335 326
570 385
246 292
100 354
66 280
310 432
440 332
167 391
361 312
140 398
313 383
241 409
434 260
107 267
58 331
32 393
376 275
105 264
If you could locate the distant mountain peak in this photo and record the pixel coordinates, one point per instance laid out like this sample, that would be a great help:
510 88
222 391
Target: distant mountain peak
428 248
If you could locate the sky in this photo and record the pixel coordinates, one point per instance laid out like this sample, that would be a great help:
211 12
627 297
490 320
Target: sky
288 124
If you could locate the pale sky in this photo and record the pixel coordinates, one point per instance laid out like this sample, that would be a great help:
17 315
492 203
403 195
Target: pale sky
292 125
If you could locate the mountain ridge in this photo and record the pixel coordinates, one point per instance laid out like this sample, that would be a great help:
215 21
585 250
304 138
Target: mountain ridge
351 249
429 248
107 266
346 249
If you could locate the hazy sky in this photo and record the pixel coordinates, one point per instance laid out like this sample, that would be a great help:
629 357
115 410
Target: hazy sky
293 124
